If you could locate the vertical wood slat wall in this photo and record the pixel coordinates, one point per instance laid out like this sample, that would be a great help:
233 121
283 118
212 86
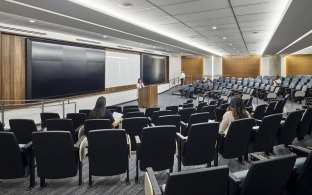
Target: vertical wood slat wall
241 66
12 67
298 64
194 67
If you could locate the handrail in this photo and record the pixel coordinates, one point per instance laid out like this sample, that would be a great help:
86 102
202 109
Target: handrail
34 102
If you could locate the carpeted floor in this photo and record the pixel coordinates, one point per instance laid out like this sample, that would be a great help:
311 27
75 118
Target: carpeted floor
116 184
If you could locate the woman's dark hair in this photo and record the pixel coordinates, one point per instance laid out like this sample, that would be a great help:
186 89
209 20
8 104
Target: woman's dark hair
99 109
238 108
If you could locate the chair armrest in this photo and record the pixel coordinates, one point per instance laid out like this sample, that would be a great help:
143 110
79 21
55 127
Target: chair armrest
149 119
152 125
78 129
257 157
137 140
129 144
83 151
181 137
299 149
27 146
234 183
151 182
183 124
77 144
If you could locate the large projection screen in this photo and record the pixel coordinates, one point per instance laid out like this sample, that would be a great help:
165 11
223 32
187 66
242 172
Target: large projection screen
153 68
56 70
121 68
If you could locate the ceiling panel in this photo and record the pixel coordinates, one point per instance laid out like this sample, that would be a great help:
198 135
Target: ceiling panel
247 2
169 2
219 13
214 22
256 8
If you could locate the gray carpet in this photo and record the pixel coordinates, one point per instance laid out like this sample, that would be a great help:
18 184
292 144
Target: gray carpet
116 184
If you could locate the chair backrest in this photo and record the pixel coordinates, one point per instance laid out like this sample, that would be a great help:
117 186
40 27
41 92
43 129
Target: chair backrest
85 111
186 113
304 178
133 114
12 163
107 152
249 109
126 110
212 181
189 105
201 140
77 118
115 107
61 125
130 106
236 141
170 120
249 102
133 127
22 129
95 124
289 129
158 147
219 114
157 114
174 109
189 101
48 115
211 110
212 103
270 108
1 126
268 176
266 134
200 106
149 111
224 106
260 111
304 125
197 118
55 154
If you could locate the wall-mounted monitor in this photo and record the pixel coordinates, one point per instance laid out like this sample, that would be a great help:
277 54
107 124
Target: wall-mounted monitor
153 68
57 70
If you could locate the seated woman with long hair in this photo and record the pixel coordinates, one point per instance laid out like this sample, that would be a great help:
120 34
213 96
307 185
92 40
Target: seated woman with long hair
236 110
100 112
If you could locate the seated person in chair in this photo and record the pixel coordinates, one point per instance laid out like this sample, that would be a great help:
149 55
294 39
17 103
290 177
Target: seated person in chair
277 81
236 110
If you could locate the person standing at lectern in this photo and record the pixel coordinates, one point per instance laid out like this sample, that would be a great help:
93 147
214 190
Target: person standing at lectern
182 78
140 83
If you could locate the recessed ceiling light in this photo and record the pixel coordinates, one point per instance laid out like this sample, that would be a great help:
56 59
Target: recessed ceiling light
224 38
104 36
125 5
234 48
154 47
32 21
214 27
230 44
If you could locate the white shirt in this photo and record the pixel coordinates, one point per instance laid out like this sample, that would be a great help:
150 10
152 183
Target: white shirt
140 85
182 76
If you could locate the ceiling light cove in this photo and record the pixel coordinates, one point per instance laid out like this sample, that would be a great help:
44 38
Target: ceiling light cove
114 11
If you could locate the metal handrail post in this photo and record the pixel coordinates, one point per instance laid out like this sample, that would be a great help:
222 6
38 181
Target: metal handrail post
2 112
75 107
63 109
42 105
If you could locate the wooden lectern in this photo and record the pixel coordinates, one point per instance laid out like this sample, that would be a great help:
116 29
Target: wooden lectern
148 96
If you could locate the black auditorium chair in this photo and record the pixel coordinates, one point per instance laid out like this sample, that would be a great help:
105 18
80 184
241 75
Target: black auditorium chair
270 109
157 114
108 153
170 120
249 109
156 148
235 143
85 111
48 115
195 118
304 125
57 156
133 114
288 130
211 110
199 147
268 177
1 126
259 112
149 111
212 181
224 106
133 127
174 109
278 107
186 113
200 106
22 129
300 181
262 138
219 114
62 125
130 106
117 108
190 105
126 110
16 161
95 124
77 118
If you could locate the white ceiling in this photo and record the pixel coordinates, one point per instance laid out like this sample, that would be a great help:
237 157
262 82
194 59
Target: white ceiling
247 24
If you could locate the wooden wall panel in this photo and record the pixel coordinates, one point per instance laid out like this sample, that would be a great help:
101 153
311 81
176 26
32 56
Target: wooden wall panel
193 67
298 64
241 66
13 67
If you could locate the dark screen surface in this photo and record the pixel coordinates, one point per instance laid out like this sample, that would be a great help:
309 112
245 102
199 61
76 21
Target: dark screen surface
56 70
153 68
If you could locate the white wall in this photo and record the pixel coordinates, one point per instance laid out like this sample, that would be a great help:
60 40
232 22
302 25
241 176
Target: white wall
283 65
174 66
264 66
208 66
216 65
